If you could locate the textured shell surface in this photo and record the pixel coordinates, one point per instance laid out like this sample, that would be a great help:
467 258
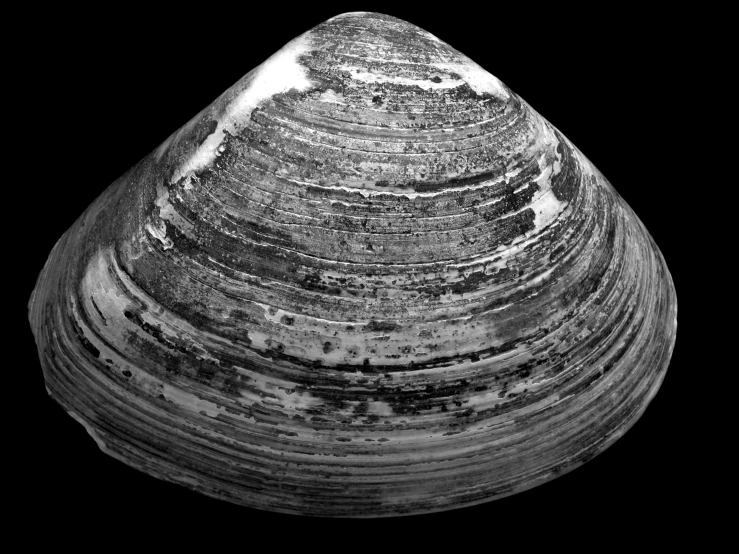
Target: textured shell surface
368 280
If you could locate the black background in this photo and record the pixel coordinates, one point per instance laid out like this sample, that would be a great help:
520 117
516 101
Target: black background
104 88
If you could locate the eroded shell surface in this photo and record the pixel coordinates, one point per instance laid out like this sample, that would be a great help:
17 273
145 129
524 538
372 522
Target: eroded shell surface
368 280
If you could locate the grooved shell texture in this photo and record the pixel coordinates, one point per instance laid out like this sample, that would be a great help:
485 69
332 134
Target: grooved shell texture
367 280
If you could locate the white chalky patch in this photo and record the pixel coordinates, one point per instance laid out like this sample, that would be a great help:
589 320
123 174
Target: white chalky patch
167 212
331 97
378 407
470 72
546 207
543 133
476 77
358 74
279 74
160 233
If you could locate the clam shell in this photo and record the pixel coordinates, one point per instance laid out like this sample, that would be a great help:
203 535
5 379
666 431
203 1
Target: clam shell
369 279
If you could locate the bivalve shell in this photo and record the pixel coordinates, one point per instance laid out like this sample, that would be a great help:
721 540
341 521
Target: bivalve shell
368 280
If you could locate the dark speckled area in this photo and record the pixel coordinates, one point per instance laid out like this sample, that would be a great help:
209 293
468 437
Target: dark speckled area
387 286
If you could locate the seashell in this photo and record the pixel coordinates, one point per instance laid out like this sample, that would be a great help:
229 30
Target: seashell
368 280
